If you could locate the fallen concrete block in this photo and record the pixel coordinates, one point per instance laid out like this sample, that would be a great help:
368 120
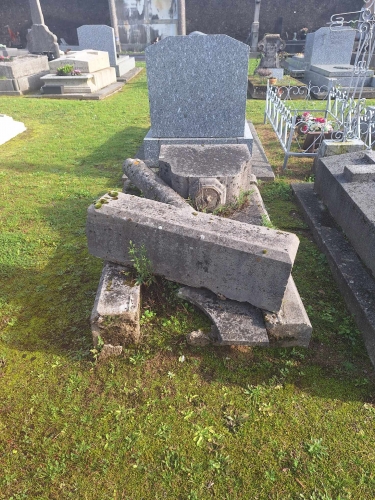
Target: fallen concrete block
235 323
115 316
198 338
243 262
152 186
290 326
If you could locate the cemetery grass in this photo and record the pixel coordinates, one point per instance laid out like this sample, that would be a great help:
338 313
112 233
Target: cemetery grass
166 421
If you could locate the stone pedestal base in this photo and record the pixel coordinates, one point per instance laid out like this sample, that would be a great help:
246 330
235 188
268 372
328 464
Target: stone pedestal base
124 64
152 144
83 84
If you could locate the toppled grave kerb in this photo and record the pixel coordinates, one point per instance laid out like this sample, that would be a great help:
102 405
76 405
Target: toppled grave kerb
116 313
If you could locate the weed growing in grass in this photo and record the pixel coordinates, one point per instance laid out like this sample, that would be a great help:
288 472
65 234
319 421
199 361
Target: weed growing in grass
316 449
142 264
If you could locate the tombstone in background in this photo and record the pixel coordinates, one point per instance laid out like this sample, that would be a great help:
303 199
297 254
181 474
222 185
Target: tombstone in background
96 73
197 90
22 74
325 47
101 37
270 46
39 38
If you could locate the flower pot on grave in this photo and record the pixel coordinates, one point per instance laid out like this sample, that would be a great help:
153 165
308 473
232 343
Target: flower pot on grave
273 81
313 141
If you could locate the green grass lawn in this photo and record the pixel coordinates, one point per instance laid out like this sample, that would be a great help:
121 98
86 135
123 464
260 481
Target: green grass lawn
166 421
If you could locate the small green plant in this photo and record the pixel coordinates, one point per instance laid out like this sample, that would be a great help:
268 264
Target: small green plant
142 264
266 222
316 449
230 208
98 348
65 70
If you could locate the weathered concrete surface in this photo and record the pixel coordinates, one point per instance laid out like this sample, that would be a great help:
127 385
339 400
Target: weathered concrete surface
345 186
235 323
110 351
198 338
192 169
240 261
115 316
151 185
354 281
290 326
261 167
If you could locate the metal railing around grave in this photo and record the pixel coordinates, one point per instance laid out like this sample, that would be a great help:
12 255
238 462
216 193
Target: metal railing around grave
302 128
345 116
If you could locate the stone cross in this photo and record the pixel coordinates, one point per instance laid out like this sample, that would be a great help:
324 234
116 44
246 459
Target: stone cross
36 12
270 46
39 38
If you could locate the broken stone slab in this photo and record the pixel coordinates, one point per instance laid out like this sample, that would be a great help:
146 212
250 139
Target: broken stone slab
215 174
198 338
243 262
115 316
235 323
290 326
254 212
152 186
109 351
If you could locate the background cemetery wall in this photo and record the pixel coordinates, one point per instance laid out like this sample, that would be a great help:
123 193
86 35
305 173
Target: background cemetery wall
233 17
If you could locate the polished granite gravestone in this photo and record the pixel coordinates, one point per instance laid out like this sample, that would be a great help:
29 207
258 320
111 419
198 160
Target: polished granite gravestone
102 37
197 90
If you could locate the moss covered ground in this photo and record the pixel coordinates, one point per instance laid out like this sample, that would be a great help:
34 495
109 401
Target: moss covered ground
166 421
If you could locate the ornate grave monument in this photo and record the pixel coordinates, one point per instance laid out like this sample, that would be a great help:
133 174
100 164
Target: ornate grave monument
270 46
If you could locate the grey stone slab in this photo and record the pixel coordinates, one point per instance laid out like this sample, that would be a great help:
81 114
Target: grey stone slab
115 315
353 279
350 203
291 326
261 167
254 211
240 261
327 46
235 323
359 173
193 170
197 86
337 70
152 144
24 66
319 80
